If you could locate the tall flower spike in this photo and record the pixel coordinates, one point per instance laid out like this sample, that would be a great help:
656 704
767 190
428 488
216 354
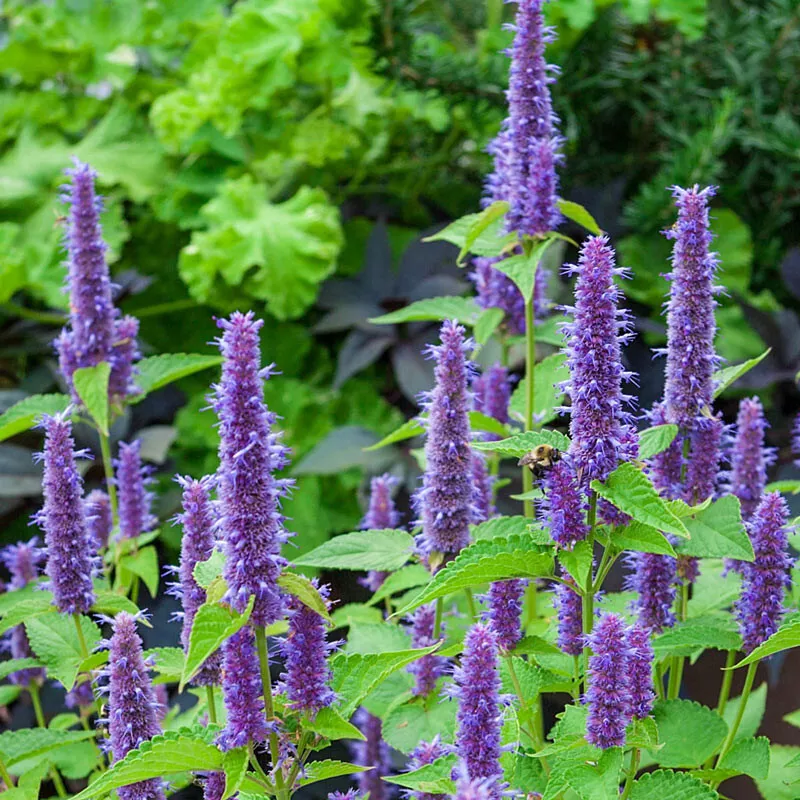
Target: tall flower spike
491 394
428 669
243 692
445 502
653 577
608 693
483 490
569 607
478 718
599 422
765 580
505 611
640 672
23 560
123 356
750 457
381 514
70 552
135 500
306 651
372 752
563 509
424 754
99 521
198 520
691 326
250 452
132 706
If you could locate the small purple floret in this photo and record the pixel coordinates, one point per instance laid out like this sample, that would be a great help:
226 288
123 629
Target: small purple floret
491 394
505 611
373 752
563 509
99 520
424 754
654 577
750 457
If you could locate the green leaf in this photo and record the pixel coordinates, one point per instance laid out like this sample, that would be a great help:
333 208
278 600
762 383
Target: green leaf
206 571
356 675
639 537
713 590
408 430
234 765
500 528
91 384
406 725
717 631
144 563
431 779
301 587
493 241
31 591
784 771
161 370
322 770
784 638
522 268
753 712
212 625
484 562
642 733
355 612
577 213
631 491
54 639
111 603
385 550
177 751
332 725
598 781
24 414
533 679
479 226
29 784
690 733
718 532
169 663
724 377
8 694
487 323
655 440
547 375
481 422
377 637
462 309
784 487
27 609
26 743
665 784
517 446
12 665
748 757
405 578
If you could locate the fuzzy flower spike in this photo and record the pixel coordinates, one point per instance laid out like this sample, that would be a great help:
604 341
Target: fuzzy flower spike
99 520
445 502
132 705
250 452
135 500
71 553
381 514
750 458
373 752
599 425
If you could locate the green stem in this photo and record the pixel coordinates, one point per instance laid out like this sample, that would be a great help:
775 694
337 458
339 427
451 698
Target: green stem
588 596
7 779
727 680
33 691
660 681
437 620
576 673
634 768
257 766
473 612
266 680
212 707
48 317
748 686
298 764
530 363
76 618
494 14
164 308
108 467
676 670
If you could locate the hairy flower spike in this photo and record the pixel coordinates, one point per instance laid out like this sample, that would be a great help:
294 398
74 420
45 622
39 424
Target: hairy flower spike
350 794
428 669
214 786
691 326
569 607
381 514
476 789
250 452
563 509
478 718
445 502
653 577
424 754
132 713
123 356
372 752
505 611
491 396
135 500
599 424
70 551
483 484
765 580
198 520
750 457
640 672
242 691
608 693
99 520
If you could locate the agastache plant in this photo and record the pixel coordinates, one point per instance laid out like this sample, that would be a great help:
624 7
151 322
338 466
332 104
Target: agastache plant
425 754
569 608
491 394
99 519
132 479
381 514
373 752
428 669
750 456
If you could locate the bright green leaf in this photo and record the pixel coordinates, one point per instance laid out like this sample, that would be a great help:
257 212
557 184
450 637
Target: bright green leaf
655 440
405 726
322 770
577 213
332 725
12 665
408 430
301 587
24 414
517 446
724 377
91 384
493 241
111 603
462 309
784 772
169 663
500 528
598 781
206 571
144 563
26 743
161 370
483 423
491 214
522 268
54 639
547 396
385 550
431 779
641 538
690 732
487 323
718 532
664 784
718 631
234 765
784 638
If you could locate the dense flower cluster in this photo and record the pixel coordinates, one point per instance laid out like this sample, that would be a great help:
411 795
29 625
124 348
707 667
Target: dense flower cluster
750 457
491 394
653 577
99 519
640 672
563 509
381 514
424 754
372 752
135 499
428 669
483 489
569 606
505 611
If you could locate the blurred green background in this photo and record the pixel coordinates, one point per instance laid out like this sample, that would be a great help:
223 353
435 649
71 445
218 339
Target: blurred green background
251 151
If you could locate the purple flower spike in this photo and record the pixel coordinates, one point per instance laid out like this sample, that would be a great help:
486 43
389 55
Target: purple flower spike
99 521
702 468
478 718
667 466
691 326
350 794
214 786
23 560
132 705
373 752
563 509
765 580
198 520
249 493
424 754
135 500
483 484
71 554
505 611
750 457
381 514
532 137
306 651
123 356
445 502
243 690
428 669
640 672
476 789
608 693
599 423
569 606
491 396
653 577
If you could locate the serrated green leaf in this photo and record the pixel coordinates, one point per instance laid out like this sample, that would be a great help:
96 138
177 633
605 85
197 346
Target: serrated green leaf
169 663
29 784
431 779
631 491
8 694
713 590
533 680
91 384
485 219
598 781
784 772
577 562
234 765
212 625
12 665
332 725
385 550
517 446
690 732
486 324
547 396
493 241
405 578
144 563
462 309
406 725
484 562
16 746
24 414
785 638
753 712
718 532
642 733
483 423
31 591
577 213
322 770
161 370
27 609
724 377
54 639
377 637
669 785
717 631
355 612
111 603
748 757
301 587
521 269
408 430
638 537
206 571
655 440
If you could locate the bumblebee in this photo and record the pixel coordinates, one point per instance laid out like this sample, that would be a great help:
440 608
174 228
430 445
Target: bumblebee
540 459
